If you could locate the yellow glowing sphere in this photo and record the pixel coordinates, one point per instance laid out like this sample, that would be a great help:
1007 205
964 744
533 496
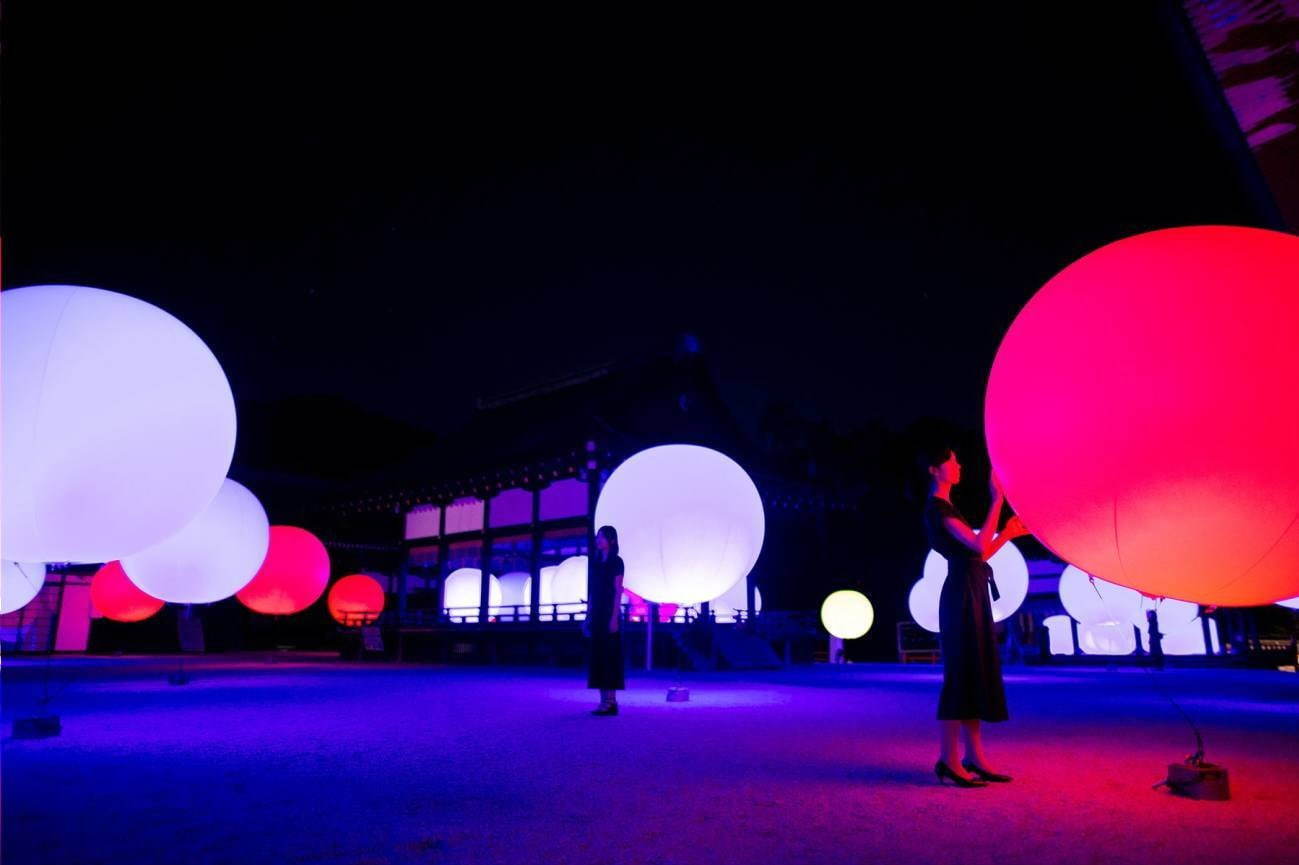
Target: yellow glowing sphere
847 614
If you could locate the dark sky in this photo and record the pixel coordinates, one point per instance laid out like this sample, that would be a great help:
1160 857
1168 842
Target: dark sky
408 211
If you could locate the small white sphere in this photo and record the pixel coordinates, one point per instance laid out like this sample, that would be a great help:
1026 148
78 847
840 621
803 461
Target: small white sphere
1098 602
119 424
462 592
568 585
689 519
513 586
1118 638
735 601
213 557
1008 568
21 582
923 602
847 614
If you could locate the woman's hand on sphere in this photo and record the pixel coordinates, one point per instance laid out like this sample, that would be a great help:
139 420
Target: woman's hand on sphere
1015 528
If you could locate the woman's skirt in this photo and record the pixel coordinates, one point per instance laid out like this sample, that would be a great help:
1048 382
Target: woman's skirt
606 670
972 685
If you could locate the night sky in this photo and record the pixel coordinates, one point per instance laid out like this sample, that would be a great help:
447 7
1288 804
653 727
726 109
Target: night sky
405 211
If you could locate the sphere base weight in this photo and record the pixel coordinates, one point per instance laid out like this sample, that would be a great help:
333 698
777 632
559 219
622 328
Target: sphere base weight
42 727
1207 781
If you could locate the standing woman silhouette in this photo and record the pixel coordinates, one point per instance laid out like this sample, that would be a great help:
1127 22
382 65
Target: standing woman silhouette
972 687
604 590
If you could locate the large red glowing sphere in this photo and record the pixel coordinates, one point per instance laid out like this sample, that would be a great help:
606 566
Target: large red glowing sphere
355 600
293 575
117 598
1141 414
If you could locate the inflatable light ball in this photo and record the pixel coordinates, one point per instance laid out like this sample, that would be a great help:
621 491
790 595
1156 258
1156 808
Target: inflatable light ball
462 593
547 577
689 520
119 424
1098 602
1135 414
119 599
513 599
1009 569
735 602
355 600
293 575
568 585
847 614
19 583
213 557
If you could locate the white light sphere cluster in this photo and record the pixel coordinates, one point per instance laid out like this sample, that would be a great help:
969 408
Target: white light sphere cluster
1110 617
1008 568
690 522
119 424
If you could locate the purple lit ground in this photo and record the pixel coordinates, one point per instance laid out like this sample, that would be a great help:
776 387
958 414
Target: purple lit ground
320 761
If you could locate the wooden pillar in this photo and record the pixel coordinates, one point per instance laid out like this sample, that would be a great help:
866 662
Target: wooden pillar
486 561
444 552
403 577
534 561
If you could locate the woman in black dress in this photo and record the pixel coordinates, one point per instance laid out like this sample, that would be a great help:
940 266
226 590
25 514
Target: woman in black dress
604 593
972 687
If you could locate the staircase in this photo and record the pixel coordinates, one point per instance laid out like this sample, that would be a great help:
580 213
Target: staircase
743 650
31 628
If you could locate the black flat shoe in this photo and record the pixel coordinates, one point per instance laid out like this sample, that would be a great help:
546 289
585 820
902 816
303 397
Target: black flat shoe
943 771
994 777
607 709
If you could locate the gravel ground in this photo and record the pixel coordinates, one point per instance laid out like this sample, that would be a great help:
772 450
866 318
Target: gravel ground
317 761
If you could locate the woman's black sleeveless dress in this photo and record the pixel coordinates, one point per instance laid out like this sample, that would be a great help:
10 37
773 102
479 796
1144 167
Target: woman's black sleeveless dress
606 670
972 686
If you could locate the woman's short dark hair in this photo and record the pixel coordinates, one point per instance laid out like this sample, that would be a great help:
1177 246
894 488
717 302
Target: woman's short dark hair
610 535
932 456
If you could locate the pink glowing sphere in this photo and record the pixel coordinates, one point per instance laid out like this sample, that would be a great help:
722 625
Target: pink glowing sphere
292 576
355 600
1140 414
119 599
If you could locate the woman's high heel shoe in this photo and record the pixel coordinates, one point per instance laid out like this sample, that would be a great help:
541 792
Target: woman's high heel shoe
995 777
943 771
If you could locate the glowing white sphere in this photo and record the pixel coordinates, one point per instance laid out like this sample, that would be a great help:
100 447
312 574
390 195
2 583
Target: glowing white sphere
568 585
119 424
1008 568
689 520
1059 632
213 557
462 592
1174 615
923 602
547 576
1185 639
1098 602
1290 603
21 581
847 614
1107 639
512 594
735 601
